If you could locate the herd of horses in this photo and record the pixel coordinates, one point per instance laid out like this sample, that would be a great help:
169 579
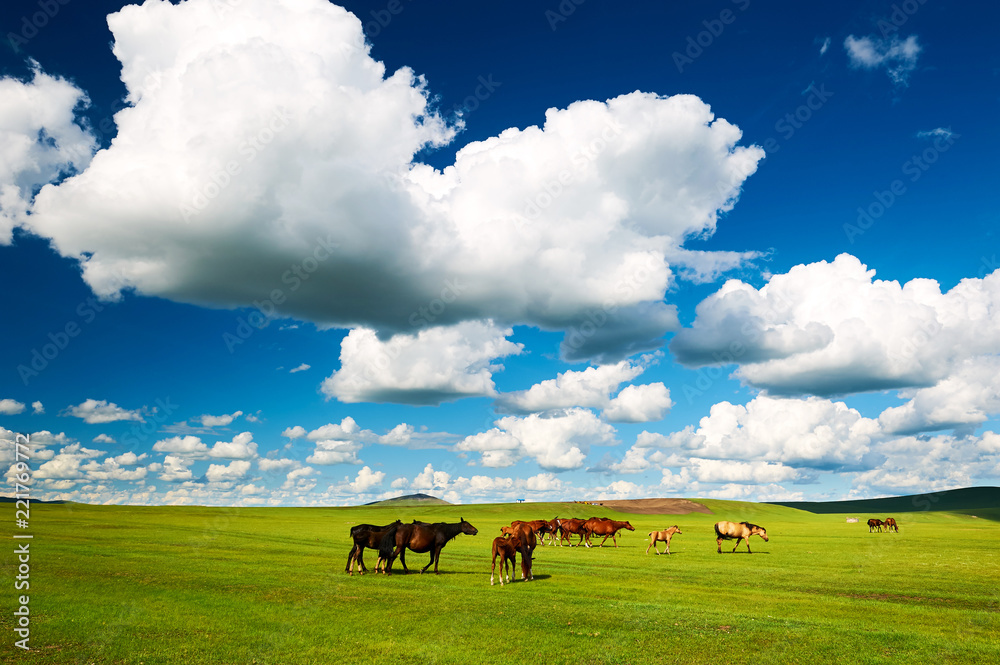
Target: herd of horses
519 539
875 524
522 537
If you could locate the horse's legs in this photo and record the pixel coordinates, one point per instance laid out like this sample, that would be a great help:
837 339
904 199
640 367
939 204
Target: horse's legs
492 572
350 559
738 541
667 541
718 542
361 560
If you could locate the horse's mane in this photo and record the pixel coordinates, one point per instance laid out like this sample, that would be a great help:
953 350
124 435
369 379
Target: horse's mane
751 526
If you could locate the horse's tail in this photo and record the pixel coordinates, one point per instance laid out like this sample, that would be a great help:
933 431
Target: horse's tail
718 534
388 544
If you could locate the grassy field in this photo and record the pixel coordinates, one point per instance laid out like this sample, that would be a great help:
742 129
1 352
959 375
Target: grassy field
267 585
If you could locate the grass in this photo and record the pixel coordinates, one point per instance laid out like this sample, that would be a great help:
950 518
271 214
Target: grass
267 585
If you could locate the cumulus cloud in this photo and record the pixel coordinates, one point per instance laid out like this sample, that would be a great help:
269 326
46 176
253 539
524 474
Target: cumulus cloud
430 367
812 432
219 421
557 441
565 226
831 328
94 411
103 438
591 388
11 407
66 464
639 404
897 57
221 473
40 141
37 408
366 480
242 447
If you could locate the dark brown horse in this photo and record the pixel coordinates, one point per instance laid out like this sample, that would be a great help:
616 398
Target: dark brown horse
420 538
874 524
602 526
522 531
365 535
505 547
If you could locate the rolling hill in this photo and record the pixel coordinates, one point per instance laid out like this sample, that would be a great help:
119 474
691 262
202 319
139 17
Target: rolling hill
981 501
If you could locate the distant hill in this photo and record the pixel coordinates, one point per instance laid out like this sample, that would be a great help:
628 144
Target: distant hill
960 500
411 500
12 499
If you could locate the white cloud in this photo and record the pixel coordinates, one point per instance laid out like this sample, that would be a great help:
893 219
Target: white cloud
831 328
812 432
66 464
242 447
824 46
898 58
301 368
429 479
40 141
639 404
937 133
104 438
296 432
591 387
220 473
38 408
94 412
545 226
219 421
366 480
335 452
430 367
11 407
267 465
729 471
966 398
174 469
558 441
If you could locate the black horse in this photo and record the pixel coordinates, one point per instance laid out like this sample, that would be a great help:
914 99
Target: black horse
365 535
420 537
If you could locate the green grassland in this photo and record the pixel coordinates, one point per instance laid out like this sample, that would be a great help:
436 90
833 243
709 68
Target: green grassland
267 585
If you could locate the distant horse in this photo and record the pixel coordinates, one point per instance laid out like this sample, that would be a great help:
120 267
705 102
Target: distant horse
662 536
602 526
738 530
506 548
874 524
420 538
890 524
365 535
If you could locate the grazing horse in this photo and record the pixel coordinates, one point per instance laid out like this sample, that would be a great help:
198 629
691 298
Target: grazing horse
738 530
365 535
602 526
571 527
420 538
662 536
890 524
539 527
875 524
506 548
522 531
553 530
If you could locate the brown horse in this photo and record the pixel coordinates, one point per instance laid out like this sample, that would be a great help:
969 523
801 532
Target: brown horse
420 537
662 536
602 526
506 548
365 535
553 530
890 524
571 527
522 531
738 530
874 524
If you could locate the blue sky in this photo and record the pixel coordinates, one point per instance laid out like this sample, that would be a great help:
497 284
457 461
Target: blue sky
292 253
